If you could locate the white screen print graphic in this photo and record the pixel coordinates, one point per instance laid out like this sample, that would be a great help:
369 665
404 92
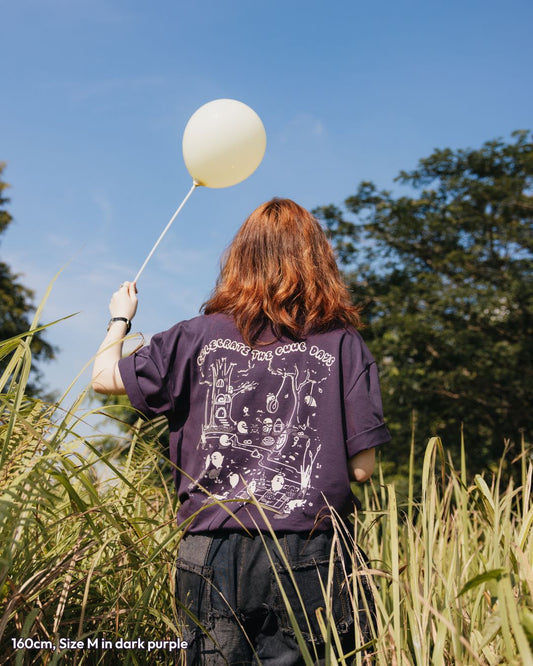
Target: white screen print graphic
264 444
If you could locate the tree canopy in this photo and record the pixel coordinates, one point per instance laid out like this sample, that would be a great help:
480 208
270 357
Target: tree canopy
16 304
445 275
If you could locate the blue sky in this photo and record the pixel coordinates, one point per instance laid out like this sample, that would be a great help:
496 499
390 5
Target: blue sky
95 96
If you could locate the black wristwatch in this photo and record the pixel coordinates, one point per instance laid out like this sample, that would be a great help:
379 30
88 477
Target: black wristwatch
126 321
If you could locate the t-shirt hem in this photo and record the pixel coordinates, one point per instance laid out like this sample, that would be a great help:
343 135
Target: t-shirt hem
126 368
368 439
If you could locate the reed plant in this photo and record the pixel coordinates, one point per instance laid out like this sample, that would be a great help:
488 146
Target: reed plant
86 544
453 568
88 541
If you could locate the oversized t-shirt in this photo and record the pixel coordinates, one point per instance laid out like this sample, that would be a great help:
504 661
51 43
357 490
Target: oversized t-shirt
269 427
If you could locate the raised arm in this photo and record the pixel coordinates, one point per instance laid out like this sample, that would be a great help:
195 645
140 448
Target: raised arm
106 376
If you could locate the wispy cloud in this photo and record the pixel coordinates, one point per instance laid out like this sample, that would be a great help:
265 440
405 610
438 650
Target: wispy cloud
105 207
303 125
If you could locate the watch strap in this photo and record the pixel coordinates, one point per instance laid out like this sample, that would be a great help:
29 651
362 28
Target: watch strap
124 319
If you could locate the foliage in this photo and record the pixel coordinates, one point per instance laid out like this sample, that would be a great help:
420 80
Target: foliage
87 549
456 568
445 275
130 423
16 301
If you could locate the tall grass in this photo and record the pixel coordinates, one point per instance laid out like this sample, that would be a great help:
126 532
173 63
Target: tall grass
87 546
457 577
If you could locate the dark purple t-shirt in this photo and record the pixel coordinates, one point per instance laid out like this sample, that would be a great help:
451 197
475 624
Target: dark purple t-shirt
275 423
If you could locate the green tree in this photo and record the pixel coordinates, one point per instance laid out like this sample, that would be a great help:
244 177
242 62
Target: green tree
16 304
445 277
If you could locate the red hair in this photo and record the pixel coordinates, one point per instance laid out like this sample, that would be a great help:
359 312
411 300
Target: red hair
280 270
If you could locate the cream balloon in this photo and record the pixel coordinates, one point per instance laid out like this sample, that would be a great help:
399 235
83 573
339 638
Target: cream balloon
223 143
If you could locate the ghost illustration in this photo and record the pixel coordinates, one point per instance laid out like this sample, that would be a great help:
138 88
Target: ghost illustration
216 459
252 487
277 482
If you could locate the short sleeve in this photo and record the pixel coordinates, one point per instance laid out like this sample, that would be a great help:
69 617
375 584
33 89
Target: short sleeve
151 374
363 411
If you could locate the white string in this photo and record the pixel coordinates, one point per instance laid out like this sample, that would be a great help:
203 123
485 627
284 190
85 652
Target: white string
194 186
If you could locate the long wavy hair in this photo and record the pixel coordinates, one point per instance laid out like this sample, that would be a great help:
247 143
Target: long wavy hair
280 270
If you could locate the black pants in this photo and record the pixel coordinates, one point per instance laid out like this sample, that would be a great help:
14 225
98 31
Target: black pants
234 592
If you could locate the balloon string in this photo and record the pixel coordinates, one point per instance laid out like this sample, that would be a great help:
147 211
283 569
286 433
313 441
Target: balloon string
194 186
